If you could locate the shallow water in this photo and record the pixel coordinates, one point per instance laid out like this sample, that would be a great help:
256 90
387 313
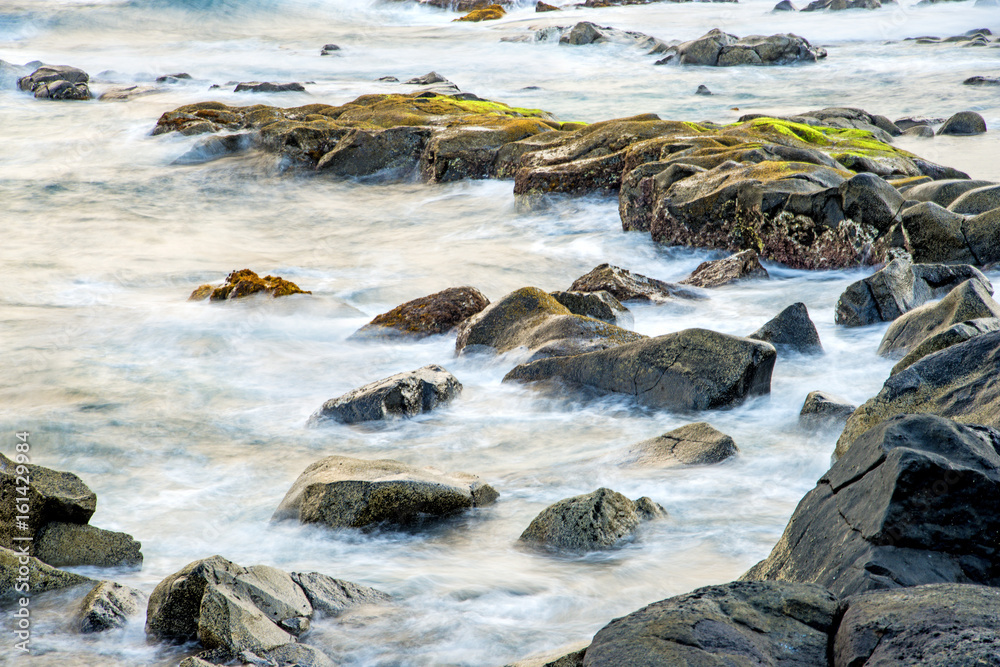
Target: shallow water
188 419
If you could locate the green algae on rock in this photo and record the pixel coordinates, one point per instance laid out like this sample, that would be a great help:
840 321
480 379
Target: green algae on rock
245 282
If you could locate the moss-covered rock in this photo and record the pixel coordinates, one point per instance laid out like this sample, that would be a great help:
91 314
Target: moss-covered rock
40 578
71 544
243 283
491 13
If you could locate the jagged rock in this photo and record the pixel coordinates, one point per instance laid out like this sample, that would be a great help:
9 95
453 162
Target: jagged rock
108 606
717 48
692 444
40 578
964 123
70 544
979 200
625 285
333 596
958 333
739 623
437 313
791 329
739 266
911 502
427 79
821 409
243 283
599 305
57 82
599 520
268 87
401 395
694 369
970 300
343 492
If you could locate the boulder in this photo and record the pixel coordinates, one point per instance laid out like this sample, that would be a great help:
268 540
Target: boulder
982 81
599 520
694 369
822 409
332 597
582 33
867 199
328 49
243 283
964 123
785 6
177 77
739 266
401 395
532 319
57 82
692 444
932 233
937 624
703 90
983 234
268 87
791 329
953 335
72 544
40 576
944 192
920 131
427 79
979 200
913 501
52 496
383 153
970 300
599 305
109 606
437 313
720 49
740 623
545 7
343 492
491 13
625 285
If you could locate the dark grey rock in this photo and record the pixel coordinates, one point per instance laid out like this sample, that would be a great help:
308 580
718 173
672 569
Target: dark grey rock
934 234
944 192
982 81
870 200
427 79
983 235
597 305
964 123
626 285
582 33
173 78
57 82
703 90
268 87
979 200
742 265
958 333
791 329
821 409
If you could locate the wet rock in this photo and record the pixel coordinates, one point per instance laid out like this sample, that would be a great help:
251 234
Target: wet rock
907 504
910 122
822 409
868 199
388 153
214 148
173 78
268 87
426 79
298 655
599 520
970 300
979 200
342 492
785 6
694 369
334 596
964 123
944 192
534 320
599 305
692 444
983 235
921 131
402 395
124 93
932 233
491 13
958 333
52 496
71 544
791 329
982 81
740 266
328 49
703 90
625 285
739 623
720 49
109 606
41 577
57 82
582 33
437 313
388 79
243 283
939 624
563 657
545 7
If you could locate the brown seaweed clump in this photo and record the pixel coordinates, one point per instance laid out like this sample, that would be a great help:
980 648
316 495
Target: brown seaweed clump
245 282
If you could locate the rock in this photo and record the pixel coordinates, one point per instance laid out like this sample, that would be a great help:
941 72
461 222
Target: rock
401 395
740 266
597 305
243 283
268 87
599 520
334 596
568 656
342 492
694 369
958 333
982 81
372 152
868 199
207 150
964 123
920 131
717 48
52 496
791 329
173 78
328 49
937 624
532 319
983 235
582 33
298 655
109 606
932 233
909 122
124 93
40 577
944 192
491 13
388 79
545 7
979 200
71 544
785 6
907 504
739 623
691 444
57 82
426 79
703 90
970 300
437 313
625 285
823 409
957 382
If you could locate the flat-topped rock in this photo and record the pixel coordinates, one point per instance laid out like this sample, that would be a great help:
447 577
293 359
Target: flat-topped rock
692 444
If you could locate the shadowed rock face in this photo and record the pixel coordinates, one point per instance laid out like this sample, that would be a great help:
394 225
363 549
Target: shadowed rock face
822 409
958 333
792 330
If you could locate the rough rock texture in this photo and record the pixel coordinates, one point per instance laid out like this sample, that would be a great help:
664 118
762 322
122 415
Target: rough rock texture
944 192
69 544
491 13
534 320
599 520
343 492
625 285
964 123
791 329
977 200
937 625
823 409
716 48
694 369
41 577
983 234
913 501
692 444
599 305
108 606
970 300
780 624
401 395
958 382
245 282
932 233
953 335
333 596
743 265
437 313
57 82
125 93
268 87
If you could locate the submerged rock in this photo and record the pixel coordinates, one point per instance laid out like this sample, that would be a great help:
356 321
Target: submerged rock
720 49
743 265
791 329
437 313
268 87
332 596
692 444
109 606
57 82
822 409
243 283
40 576
342 492
625 285
124 93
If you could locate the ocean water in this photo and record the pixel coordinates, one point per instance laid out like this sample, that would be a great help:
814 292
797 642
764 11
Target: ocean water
188 419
